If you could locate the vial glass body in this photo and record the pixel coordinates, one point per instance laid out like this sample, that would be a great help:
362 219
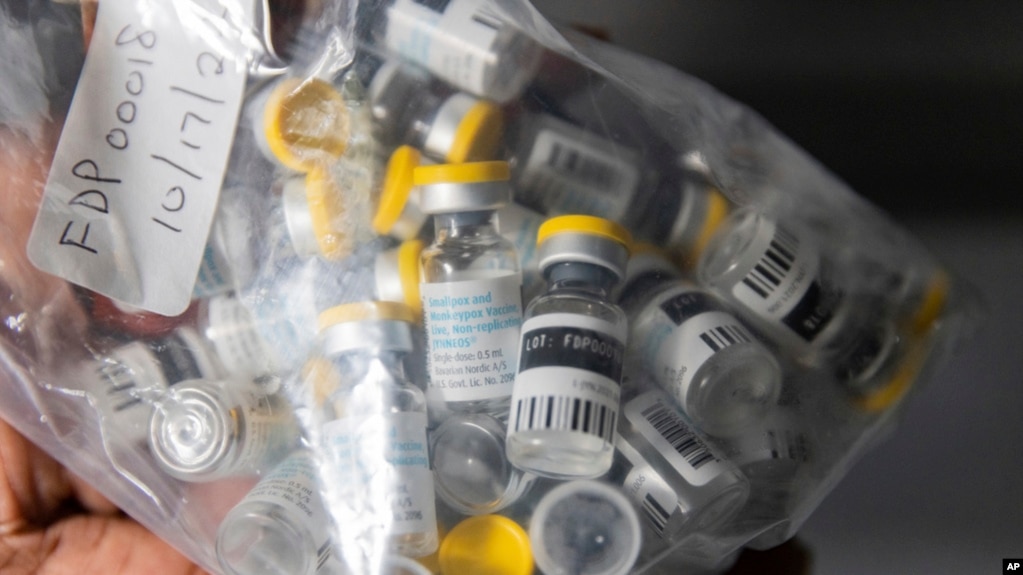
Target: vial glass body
780 282
461 42
379 472
565 404
231 331
472 312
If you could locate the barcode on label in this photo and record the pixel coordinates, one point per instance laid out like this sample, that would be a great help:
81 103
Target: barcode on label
322 555
658 515
563 413
720 337
788 444
120 385
671 427
588 169
769 273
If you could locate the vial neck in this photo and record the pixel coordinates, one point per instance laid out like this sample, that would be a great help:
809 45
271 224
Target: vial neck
464 225
579 277
375 366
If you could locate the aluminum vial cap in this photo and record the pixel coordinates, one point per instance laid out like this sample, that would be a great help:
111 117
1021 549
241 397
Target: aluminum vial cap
305 123
703 210
586 239
454 188
366 325
191 430
490 544
396 272
398 212
465 129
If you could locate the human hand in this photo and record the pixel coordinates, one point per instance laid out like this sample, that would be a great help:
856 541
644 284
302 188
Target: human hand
53 523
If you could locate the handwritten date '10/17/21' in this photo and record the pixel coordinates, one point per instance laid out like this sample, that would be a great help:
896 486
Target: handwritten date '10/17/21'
141 58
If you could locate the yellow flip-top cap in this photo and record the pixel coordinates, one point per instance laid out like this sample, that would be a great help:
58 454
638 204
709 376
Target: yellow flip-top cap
478 135
931 306
901 381
396 189
366 311
489 544
322 378
305 123
470 173
717 211
327 213
408 272
591 225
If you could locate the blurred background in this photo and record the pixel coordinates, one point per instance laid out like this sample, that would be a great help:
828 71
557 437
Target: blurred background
917 106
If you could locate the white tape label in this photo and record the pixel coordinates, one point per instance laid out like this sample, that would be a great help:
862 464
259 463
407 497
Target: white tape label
135 179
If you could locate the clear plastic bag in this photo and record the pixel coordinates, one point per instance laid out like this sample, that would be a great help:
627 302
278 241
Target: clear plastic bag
278 424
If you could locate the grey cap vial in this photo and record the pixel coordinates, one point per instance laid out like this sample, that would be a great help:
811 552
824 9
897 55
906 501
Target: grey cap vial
470 187
586 239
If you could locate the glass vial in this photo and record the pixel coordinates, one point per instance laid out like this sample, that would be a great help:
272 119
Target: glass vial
203 430
563 169
471 288
450 127
683 216
585 527
668 470
781 284
683 336
565 402
375 430
471 473
462 42
281 527
231 331
126 383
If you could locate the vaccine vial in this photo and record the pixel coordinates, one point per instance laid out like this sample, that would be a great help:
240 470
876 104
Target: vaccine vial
683 216
300 123
319 221
203 430
463 42
563 169
585 527
710 363
451 127
784 287
396 275
472 304
375 430
471 473
126 383
491 544
565 403
669 471
231 332
777 457
281 527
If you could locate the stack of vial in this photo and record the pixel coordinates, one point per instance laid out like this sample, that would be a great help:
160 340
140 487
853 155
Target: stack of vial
446 325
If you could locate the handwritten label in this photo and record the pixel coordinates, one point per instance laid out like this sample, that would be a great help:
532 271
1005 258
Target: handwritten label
134 183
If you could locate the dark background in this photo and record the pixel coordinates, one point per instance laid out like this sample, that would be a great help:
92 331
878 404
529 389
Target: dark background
917 106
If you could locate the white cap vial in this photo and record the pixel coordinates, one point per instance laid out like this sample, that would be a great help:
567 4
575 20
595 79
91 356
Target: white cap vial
471 473
585 527
203 430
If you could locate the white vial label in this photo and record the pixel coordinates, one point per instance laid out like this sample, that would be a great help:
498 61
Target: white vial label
383 460
214 273
569 376
678 334
269 428
661 425
567 176
137 172
785 285
454 39
472 336
292 486
239 345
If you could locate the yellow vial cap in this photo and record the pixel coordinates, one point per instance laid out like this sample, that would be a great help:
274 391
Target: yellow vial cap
305 123
931 305
470 173
396 188
717 211
478 135
408 270
489 544
327 214
590 225
366 311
